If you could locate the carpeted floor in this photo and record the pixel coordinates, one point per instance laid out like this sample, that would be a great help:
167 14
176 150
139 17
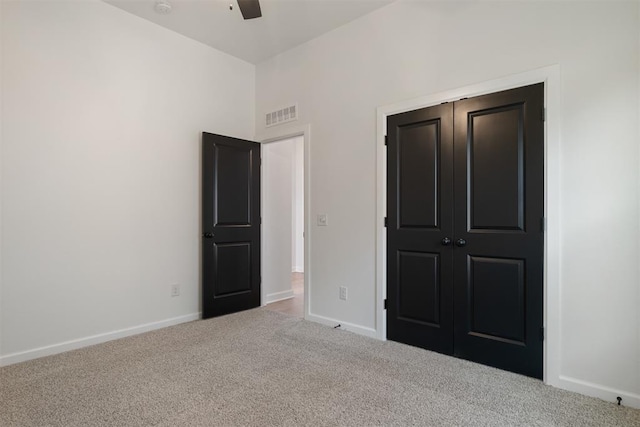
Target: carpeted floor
264 368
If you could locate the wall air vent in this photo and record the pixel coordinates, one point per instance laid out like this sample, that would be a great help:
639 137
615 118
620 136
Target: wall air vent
284 115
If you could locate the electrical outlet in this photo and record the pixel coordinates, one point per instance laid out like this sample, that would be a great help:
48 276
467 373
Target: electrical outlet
175 290
343 293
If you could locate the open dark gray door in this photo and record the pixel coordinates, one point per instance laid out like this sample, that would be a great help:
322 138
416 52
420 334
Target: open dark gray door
230 225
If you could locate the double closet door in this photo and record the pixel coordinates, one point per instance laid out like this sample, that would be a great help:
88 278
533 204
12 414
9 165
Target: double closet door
465 227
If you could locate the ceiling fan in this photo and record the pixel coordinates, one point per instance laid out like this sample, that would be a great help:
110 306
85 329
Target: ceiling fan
250 9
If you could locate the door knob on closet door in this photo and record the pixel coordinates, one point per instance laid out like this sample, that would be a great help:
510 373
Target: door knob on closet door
461 242
446 241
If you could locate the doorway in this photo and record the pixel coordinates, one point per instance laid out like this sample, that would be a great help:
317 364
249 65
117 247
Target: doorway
465 232
283 225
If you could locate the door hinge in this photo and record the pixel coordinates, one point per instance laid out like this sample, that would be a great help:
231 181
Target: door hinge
386 221
542 333
386 140
385 304
543 224
544 114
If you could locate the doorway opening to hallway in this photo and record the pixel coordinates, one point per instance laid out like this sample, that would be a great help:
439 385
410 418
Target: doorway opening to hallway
283 225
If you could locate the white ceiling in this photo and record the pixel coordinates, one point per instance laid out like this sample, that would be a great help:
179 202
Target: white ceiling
283 25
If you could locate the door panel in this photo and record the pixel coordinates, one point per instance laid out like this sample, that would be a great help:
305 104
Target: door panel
496 168
496 290
232 202
419 295
418 159
232 274
230 224
419 281
498 187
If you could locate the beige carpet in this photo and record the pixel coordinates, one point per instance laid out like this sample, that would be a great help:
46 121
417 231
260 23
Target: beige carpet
265 368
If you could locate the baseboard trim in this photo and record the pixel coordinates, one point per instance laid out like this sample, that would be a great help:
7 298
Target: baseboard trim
297 270
596 390
360 330
279 296
62 347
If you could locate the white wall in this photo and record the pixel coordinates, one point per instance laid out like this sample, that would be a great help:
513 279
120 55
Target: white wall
297 241
409 49
102 117
277 219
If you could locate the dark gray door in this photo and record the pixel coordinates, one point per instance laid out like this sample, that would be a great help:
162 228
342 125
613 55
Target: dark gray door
465 237
230 224
498 257
419 228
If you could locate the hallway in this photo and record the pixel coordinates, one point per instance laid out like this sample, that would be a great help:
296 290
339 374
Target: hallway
292 306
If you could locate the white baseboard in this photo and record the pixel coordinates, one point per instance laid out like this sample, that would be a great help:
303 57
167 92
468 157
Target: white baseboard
279 296
50 350
361 330
297 270
596 390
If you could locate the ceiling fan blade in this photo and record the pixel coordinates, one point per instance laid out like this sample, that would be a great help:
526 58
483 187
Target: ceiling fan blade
250 9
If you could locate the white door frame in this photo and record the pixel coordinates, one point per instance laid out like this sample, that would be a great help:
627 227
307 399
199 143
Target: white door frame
278 134
551 264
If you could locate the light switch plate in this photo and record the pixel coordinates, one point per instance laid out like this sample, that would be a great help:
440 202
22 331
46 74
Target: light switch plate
323 220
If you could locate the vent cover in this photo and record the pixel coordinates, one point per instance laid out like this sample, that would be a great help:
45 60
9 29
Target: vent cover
284 115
